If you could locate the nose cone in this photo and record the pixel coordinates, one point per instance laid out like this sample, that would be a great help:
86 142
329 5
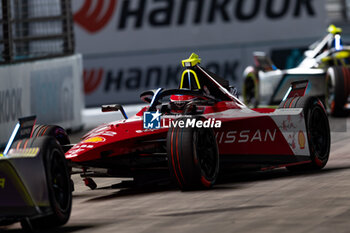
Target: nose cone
116 138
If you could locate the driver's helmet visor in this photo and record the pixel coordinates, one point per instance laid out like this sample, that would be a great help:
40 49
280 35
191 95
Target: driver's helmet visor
178 102
189 80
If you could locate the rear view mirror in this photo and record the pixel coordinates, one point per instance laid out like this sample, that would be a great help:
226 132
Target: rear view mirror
114 108
147 96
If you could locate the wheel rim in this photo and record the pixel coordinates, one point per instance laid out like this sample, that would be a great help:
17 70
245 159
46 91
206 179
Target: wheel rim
319 135
60 183
207 154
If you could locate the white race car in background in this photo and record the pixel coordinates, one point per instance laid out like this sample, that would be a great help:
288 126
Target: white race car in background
326 65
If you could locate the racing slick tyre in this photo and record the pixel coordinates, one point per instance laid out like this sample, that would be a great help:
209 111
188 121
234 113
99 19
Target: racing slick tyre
251 89
318 133
193 156
58 182
337 90
52 130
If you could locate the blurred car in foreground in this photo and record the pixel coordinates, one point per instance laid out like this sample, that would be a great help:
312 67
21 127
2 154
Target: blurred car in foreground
35 185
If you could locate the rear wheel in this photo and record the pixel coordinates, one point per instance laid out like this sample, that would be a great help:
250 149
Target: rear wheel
193 157
318 133
337 90
58 183
251 90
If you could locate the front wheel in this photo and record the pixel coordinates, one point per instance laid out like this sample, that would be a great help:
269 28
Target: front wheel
193 156
51 130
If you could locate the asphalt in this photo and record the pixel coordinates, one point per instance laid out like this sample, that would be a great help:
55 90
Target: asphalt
269 201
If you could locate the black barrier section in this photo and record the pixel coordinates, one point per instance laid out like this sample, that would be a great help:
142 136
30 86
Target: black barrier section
35 29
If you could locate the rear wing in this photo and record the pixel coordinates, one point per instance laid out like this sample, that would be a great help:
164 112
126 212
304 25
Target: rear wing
296 89
23 129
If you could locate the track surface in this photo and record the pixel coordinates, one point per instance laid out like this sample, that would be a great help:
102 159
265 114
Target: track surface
270 201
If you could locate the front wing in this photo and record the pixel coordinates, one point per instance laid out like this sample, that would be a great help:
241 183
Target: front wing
23 185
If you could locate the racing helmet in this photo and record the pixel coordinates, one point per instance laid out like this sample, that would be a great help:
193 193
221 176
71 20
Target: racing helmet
178 102
189 81
335 41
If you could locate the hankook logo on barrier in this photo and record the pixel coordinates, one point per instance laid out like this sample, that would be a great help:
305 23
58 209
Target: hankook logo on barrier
95 15
96 19
136 77
10 104
92 79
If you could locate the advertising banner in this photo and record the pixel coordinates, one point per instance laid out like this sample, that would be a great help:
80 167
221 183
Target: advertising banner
50 89
142 38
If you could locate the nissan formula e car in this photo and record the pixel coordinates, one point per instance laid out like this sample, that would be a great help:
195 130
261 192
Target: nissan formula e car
35 185
326 65
194 131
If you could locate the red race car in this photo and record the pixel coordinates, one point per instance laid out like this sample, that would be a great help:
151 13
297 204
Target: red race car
194 131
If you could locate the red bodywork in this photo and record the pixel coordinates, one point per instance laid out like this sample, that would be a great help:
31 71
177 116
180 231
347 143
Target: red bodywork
261 136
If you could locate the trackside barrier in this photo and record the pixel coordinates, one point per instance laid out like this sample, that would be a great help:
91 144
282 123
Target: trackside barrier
51 89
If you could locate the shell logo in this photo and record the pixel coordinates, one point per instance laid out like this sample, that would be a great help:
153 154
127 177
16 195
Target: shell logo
301 139
94 140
